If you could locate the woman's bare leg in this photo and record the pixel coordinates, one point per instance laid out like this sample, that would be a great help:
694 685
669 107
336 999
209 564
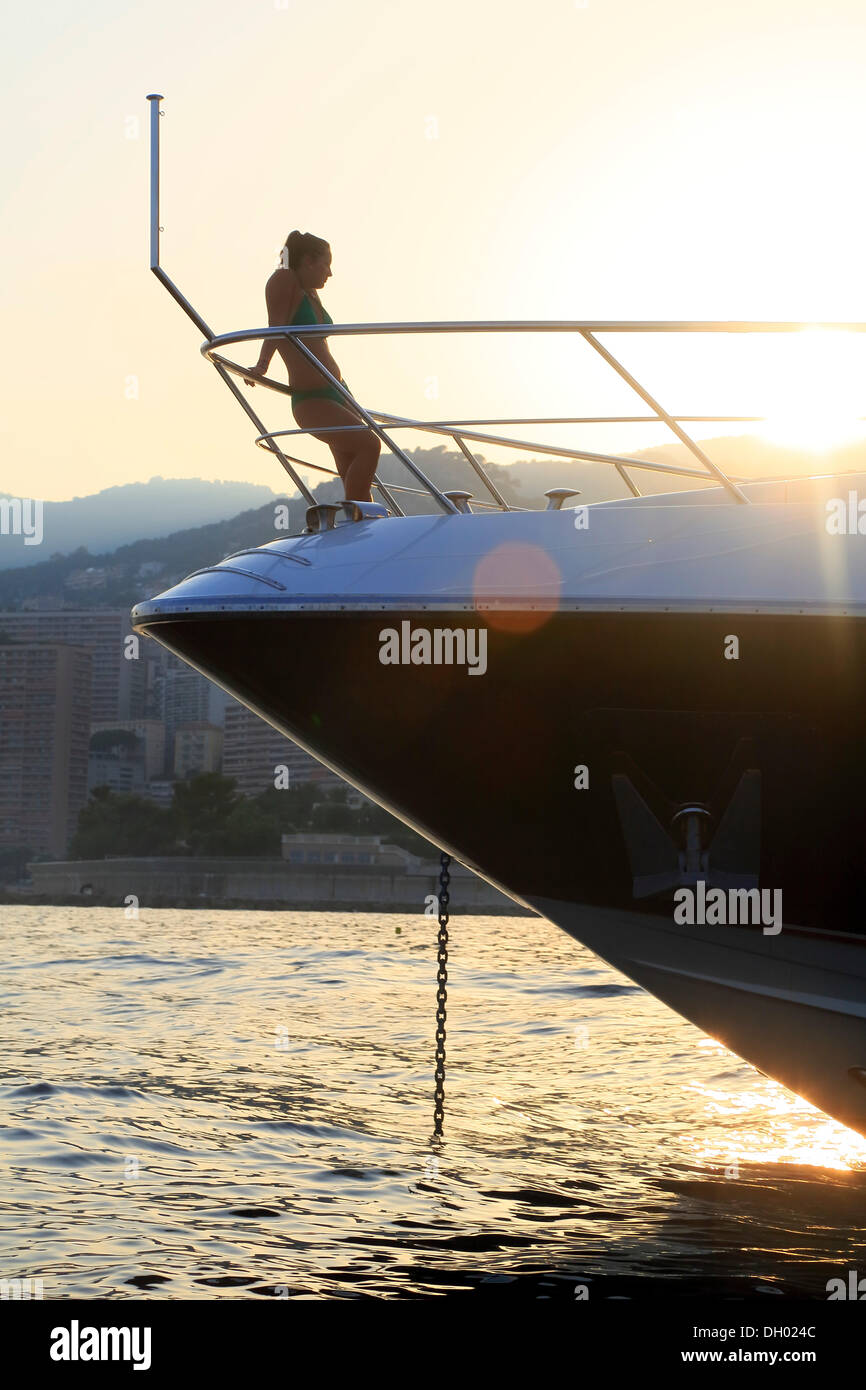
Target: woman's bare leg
356 452
362 468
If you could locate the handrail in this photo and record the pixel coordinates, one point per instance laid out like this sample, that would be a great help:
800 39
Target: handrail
318 330
457 430
446 427
461 431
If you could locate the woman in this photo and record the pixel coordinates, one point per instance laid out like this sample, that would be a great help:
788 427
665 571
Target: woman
292 296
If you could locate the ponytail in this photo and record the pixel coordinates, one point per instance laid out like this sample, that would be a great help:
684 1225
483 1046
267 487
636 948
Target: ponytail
300 244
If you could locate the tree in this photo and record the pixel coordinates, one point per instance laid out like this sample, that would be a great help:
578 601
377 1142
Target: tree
289 809
200 807
13 862
112 824
247 829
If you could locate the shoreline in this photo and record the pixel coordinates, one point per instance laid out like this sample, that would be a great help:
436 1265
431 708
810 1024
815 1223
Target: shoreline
198 903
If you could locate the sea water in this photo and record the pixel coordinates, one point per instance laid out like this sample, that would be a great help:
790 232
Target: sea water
201 1104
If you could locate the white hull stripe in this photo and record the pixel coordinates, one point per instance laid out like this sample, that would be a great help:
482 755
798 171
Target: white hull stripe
813 1001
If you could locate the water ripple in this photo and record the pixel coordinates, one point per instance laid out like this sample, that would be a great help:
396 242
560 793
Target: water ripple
239 1105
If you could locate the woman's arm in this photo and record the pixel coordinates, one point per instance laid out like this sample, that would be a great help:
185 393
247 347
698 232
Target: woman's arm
282 304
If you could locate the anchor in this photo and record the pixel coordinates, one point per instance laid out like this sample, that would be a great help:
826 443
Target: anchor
663 858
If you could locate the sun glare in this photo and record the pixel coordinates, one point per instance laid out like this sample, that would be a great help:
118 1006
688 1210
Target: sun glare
814 396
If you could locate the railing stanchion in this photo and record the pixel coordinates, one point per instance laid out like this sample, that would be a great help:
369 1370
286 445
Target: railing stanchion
488 482
259 424
629 482
668 419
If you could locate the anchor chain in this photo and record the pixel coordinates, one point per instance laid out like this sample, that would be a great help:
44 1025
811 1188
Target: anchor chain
441 992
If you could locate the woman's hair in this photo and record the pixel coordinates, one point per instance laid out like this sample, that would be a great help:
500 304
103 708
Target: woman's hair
300 244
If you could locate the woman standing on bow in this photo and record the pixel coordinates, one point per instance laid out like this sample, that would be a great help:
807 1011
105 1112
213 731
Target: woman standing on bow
292 297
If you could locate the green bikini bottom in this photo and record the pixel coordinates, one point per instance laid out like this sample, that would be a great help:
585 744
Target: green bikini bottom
322 393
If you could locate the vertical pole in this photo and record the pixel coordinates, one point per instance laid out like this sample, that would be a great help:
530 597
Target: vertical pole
154 98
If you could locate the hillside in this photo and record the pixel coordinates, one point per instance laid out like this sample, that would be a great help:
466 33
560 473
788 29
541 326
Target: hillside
117 516
139 570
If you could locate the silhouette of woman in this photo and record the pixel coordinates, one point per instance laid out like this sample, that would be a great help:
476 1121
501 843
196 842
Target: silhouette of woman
292 296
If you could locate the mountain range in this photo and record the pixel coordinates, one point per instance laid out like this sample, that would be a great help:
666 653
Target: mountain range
105 520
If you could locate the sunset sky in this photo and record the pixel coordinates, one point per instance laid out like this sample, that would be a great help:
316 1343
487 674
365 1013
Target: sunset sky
466 160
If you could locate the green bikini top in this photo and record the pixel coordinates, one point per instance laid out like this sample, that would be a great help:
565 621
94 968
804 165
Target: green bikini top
307 314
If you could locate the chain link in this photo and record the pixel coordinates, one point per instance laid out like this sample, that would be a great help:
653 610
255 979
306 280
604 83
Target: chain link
441 992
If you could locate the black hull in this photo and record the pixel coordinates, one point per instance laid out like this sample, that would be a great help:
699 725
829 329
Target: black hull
485 764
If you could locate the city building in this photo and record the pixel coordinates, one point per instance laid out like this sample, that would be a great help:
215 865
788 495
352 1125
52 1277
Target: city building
314 847
116 761
254 753
118 659
178 695
45 693
197 748
152 734
185 695
43 603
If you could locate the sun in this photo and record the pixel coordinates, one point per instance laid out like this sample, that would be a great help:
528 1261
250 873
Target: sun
815 398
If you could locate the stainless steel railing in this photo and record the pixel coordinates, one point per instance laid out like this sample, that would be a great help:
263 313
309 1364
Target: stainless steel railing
458 431
461 431
383 424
